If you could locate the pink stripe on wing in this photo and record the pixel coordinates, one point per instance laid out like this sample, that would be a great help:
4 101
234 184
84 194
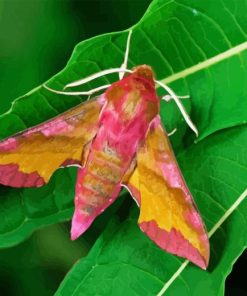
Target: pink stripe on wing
173 242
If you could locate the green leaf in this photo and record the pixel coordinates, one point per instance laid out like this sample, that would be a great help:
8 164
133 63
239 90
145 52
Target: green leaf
198 48
23 210
124 259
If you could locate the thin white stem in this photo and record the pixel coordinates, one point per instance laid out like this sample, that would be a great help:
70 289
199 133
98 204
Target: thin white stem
97 75
180 106
78 93
125 63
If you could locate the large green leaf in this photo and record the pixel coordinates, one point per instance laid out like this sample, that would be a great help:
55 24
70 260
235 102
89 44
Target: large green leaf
198 48
23 210
125 262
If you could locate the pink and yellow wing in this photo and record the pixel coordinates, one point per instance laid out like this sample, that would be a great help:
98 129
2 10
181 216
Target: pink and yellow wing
168 214
28 159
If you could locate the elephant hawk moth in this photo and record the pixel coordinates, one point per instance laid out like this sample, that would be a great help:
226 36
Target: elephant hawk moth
116 139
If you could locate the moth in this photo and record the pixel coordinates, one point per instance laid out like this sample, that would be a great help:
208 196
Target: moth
116 139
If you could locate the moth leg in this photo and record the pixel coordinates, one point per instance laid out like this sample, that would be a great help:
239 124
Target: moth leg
172 132
168 98
125 63
180 106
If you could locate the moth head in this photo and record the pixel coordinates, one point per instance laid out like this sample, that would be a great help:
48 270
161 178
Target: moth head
144 71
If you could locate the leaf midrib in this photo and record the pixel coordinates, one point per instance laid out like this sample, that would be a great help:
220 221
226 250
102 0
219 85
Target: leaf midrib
207 63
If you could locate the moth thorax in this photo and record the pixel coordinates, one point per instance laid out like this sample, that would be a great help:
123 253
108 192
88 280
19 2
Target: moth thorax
145 71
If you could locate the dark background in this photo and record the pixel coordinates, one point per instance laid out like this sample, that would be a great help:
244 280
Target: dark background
36 39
